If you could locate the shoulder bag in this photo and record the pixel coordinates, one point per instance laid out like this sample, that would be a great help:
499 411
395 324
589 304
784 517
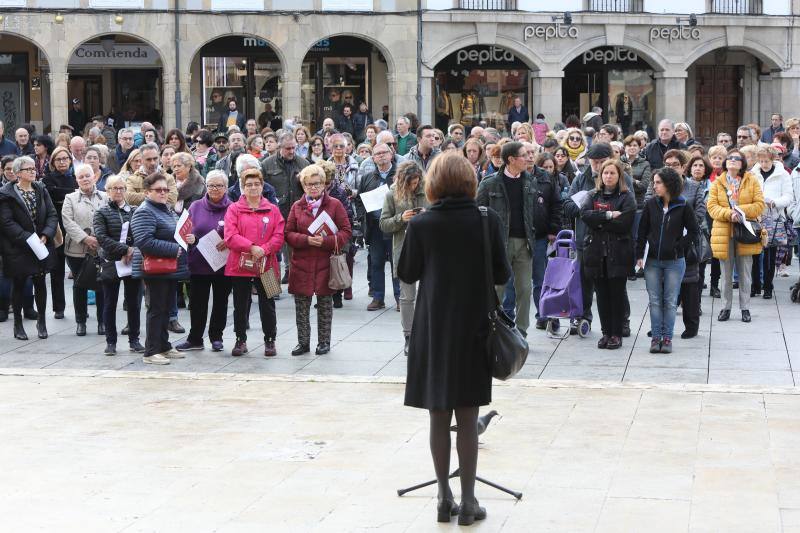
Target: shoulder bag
742 235
339 277
154 266
86 277
506 346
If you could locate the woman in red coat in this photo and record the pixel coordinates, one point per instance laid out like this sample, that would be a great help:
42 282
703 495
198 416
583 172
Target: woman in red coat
310 267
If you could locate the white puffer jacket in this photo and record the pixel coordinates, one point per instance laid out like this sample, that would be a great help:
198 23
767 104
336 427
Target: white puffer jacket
777 188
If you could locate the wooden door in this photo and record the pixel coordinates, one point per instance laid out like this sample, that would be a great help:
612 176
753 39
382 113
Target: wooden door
717 100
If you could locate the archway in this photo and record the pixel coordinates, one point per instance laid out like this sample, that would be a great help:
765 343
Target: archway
245 68
118 77
617 80
24 87
339 72
478 84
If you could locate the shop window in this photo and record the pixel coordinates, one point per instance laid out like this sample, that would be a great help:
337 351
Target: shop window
343 82
268 85
223 78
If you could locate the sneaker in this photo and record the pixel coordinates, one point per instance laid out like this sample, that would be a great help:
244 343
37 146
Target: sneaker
173 354
240 348
269 349
175 326
136 347
541 323
217 346
188 347
666 345
614 342
655 345
111 349
374 305
156 359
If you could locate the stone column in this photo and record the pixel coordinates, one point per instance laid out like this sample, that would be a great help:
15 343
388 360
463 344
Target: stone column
291 94
785 89
59 108
671 96
427 97
546 94
169 116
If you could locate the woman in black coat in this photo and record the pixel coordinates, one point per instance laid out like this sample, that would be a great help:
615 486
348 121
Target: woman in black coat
25 209
448 369
608 247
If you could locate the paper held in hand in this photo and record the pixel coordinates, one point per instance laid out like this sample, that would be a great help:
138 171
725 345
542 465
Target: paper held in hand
207 246
581 198
124 269
373 200
323 225
746 223
37 247
182 229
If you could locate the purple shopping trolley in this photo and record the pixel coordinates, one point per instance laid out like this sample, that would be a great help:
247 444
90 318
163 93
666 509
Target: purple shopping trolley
561 288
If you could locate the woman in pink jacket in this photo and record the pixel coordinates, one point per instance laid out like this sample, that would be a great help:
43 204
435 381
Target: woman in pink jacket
253 229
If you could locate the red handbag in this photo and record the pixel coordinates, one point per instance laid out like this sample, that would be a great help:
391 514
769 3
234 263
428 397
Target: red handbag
159 265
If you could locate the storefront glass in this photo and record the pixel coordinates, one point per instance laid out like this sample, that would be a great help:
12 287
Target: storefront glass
13 90
615 79
223 78
478 85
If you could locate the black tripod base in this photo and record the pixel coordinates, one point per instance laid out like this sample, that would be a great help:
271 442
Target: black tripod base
517 495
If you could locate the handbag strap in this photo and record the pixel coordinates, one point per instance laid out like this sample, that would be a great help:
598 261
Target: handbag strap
487 259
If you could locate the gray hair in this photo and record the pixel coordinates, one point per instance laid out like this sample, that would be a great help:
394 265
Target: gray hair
124 130
668 121
17 165
285 138
239 133
404 120
684 126
217 174
381 124
384 136
184 157
245 161
114 179
94 130
149 146
82 167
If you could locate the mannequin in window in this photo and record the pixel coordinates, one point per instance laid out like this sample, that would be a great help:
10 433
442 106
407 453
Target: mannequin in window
623 108
444 107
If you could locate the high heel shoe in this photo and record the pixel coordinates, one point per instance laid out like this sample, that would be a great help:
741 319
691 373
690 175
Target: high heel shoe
19 331
446 510
468 514
41 328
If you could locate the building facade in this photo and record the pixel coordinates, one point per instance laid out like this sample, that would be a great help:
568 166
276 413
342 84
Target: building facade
712 63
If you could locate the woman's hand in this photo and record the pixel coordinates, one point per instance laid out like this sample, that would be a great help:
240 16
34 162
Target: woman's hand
407 215
615 214
128 257
315 241
734 216
257 251
43 238
640 264
91 242
222 246
190 238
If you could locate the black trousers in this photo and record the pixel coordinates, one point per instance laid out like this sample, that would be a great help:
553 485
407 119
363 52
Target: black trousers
612 315
587 290
716 272
57 281
159 299
768 257
241 308
690 304
79 296
199 290
39 292
133 295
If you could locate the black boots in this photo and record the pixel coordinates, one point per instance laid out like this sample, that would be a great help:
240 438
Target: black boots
19 331
41 327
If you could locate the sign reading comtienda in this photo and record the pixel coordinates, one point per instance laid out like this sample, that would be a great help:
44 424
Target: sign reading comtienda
550 31
96 55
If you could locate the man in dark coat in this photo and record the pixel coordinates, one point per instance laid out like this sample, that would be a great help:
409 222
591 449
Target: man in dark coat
655 149
361 120
123 149
517 113
231 117
344 122
77 118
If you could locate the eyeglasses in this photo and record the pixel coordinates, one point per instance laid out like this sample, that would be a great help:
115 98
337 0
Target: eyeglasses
315 185
160 190
115 188
673 164
217 186
391 144
31 169
375 154
339 146
61 159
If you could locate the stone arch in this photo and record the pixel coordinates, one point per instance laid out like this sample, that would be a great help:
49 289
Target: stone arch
531 59
34 42
761 52
391 63
647 52
279 52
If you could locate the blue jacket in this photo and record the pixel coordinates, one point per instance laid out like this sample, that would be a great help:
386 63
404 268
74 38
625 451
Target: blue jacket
518 116
153 228
7 147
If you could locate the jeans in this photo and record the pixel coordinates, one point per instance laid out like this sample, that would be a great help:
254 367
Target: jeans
663 279
380 251
519 256
636 219
241 308
133 289
199 290
408 294
158 303
539 266
79 296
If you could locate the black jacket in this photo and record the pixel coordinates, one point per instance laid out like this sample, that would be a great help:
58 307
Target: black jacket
608 245
59 186
223 121
664 232
492 193
654 151
547 205
16 225
582 182
371 182
345 125
107 226
360 123
283 176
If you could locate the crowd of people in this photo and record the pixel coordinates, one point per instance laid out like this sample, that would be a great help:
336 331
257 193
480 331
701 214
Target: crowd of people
103 207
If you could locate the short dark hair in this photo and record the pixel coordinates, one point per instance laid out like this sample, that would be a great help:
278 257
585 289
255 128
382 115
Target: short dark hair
45 141
709 169
152 179
421 129
510 149
680 155
550 143
671 180
205 137
611 130
6 160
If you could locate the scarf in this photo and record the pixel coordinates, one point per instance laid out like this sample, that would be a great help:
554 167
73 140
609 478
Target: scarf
314 205
574 153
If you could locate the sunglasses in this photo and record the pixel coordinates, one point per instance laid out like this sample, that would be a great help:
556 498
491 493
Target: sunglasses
162 190
735 158
574 138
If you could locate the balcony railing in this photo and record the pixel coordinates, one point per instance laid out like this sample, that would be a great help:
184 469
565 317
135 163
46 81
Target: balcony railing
488 5
737 7
617 6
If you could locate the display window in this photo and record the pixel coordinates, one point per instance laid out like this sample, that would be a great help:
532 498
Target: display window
478 85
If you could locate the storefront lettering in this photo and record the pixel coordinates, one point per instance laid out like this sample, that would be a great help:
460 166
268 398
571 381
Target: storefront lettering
493 54
252 42
114 53
553 31
118 54
611 55
674 33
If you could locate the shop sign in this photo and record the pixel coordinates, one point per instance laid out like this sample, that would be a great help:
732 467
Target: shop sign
252 42
493 54
120 54
674 33
552 31
616 54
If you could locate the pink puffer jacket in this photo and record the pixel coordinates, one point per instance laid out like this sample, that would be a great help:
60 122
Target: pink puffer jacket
245 227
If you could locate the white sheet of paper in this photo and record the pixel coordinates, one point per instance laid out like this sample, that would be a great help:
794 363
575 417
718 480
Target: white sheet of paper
646 249
178 238
124 269
37 247
207 246
123 234
322 218
746 223
373 200
581 197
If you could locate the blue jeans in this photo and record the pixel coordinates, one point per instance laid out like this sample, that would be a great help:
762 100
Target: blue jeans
380 251
663 279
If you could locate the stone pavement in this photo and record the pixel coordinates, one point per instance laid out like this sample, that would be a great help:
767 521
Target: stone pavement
112 451
765 352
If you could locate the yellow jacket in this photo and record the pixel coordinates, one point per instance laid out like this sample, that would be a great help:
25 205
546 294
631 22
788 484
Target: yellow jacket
751 201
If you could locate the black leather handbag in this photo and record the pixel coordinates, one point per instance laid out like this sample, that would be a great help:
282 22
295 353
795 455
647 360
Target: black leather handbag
506 346
86 277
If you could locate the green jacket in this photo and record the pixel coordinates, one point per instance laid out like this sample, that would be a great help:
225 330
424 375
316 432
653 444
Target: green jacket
492 193
391 217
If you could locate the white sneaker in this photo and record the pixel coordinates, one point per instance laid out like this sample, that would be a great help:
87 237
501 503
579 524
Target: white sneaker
173 354
156 359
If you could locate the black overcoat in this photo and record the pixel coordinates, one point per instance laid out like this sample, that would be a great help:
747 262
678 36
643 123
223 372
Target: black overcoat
16 225
448 365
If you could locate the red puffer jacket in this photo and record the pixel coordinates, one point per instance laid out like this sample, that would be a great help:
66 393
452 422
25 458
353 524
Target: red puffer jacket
310 266
245 226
